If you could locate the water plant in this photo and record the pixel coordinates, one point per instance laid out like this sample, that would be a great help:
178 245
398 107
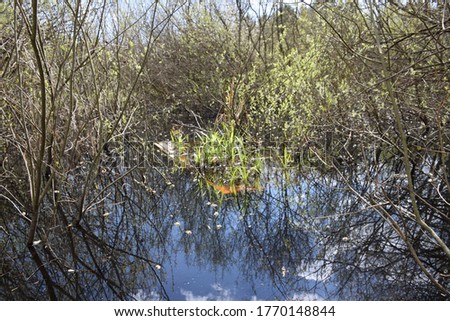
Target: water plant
222 157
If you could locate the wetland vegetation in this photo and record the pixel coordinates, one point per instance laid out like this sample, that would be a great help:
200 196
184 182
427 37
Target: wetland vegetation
220 150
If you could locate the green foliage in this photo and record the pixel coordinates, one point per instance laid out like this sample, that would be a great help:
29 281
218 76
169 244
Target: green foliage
220 147
6 14
298 88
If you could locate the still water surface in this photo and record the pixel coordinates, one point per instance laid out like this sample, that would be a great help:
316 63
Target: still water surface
163 234
298 237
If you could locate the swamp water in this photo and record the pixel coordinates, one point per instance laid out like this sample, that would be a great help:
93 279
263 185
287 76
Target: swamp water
165 234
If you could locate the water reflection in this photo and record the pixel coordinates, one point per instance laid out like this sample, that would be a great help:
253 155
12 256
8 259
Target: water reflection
158 234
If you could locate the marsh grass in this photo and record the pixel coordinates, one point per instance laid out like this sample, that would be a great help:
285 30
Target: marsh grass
222 157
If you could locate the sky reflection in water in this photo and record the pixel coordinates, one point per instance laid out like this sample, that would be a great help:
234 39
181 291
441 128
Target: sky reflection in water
168 235
293 240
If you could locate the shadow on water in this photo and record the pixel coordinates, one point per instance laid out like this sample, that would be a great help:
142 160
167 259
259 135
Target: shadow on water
163 234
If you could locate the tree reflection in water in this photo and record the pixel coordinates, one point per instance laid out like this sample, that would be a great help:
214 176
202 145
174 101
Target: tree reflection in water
147 235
